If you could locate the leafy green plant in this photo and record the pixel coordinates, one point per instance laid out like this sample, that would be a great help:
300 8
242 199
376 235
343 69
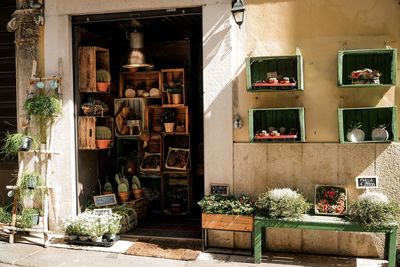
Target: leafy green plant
174 90
218 204
13 142
29 187
25 218
373 209
42 107
5 215
168 115
282 202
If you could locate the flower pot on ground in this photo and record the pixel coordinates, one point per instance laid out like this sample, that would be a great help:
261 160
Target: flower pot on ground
103 80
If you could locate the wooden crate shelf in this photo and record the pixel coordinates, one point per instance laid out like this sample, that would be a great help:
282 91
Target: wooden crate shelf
141 80
91 58
177 76
369 117
258 68
153 114
262 119
87 131
137 111
382 60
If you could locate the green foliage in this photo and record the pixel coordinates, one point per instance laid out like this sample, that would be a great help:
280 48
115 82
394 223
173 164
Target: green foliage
27 181
5 215
174 90
12 144
103 133
42 107
25 218
168 115
354 125
373 210
217 204
278 203
103 75
122 188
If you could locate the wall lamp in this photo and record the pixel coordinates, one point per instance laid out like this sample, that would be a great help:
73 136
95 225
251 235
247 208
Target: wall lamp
238 11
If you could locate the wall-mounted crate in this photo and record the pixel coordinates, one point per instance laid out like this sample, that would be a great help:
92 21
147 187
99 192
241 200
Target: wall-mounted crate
91 58
262 70
140 80
173 78
277 125
378 60
153 123
369 118
135 118
87 131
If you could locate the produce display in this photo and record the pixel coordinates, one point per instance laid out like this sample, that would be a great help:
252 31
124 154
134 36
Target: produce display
151 162
177 159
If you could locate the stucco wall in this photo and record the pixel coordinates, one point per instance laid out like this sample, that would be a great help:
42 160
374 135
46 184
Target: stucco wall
319 29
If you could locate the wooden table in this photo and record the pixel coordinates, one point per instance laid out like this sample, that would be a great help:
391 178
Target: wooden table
313 222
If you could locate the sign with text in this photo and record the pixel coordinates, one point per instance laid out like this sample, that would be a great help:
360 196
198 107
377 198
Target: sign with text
102 212
104 200
366 182
219 189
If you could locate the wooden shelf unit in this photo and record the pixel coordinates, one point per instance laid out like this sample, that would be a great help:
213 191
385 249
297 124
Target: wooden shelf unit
140 80
175 76
87 131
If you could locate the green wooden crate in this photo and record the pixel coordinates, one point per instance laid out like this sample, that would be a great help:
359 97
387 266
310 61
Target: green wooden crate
383 60
369 118
261 119
285 66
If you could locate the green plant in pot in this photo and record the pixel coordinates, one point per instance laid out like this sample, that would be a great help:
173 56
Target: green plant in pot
176 94
123 187
30 189
103 137
136 187
43 108
168 118
27 218
17 142
103 80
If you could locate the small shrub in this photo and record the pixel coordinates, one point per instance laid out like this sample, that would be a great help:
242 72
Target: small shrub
217 204
284 202
373 209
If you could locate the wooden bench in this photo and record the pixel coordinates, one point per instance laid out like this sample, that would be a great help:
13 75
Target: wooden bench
310 222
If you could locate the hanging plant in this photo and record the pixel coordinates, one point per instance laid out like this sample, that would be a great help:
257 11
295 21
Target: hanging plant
14 142
42 107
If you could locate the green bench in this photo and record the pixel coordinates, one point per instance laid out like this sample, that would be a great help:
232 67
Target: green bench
310 222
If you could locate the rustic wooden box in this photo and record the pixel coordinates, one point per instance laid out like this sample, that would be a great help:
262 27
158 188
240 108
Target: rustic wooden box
286 66
173 75
227 222
262 119
140 206
144 80
153 114
91 58
370 117
87 130
383 60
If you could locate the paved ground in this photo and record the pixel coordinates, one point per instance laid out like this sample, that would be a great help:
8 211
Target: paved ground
24 254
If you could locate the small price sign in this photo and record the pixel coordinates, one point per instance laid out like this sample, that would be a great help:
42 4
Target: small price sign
365 182
104 200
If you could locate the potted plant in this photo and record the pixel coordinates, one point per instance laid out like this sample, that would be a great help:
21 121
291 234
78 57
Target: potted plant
27 218
30 189
71 227
168 118
136 187
373 209
282 202
227 213
123 187
107 188
114 226
365 76
354 133
103 137
103 80
5 215
176 94
330 200
16 142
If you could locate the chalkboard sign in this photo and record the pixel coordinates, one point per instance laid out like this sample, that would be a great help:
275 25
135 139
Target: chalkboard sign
367 182
104 200
102 212
219 189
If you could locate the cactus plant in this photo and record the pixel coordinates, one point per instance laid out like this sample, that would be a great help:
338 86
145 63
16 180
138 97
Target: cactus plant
103 76
122 188
103 133
108 187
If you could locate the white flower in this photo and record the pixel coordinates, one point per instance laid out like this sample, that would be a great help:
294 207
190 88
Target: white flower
374 197
279 193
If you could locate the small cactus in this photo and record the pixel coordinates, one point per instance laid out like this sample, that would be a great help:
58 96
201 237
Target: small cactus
108 187
103 133
122 188
103 76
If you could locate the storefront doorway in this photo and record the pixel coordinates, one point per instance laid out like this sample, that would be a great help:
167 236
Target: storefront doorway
168 162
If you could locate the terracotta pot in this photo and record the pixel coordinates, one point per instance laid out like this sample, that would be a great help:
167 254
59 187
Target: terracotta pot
123 196
169 127
102 143
137 193
108 193
176 98
102 87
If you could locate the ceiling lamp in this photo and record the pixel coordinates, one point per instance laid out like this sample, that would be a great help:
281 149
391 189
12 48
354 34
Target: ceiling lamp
238 12
136 58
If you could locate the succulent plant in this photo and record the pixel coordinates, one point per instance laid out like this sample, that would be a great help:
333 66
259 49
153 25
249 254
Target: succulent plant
108 187
103 133
122 188
168 115
103 76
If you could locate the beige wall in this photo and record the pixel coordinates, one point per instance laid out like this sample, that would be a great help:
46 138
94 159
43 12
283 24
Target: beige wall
319 29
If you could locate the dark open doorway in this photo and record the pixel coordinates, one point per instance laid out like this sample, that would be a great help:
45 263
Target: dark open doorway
170 165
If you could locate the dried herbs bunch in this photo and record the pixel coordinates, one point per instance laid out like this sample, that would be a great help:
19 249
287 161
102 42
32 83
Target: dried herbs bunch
218 204
373 209
282 202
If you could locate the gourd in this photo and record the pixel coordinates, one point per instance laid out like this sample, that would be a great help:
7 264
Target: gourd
354 133
103 133
380 133
103 76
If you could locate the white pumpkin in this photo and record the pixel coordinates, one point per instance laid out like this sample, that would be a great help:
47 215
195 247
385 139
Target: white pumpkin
379 134
355 135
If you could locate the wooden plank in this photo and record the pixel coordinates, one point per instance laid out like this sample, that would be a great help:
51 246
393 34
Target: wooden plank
87 132
87 69
227 222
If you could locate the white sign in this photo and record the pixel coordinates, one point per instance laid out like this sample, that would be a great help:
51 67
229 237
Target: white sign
366 182
102 212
